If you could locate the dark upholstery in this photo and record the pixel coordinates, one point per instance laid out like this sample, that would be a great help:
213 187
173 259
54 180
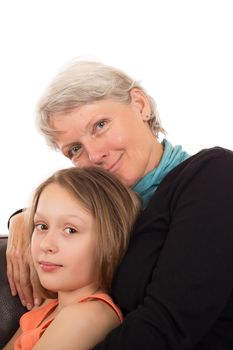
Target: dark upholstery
10 307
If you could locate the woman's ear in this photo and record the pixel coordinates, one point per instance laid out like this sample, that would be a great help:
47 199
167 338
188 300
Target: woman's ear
140 101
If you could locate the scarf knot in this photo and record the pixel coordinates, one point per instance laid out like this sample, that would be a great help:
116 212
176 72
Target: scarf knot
172 156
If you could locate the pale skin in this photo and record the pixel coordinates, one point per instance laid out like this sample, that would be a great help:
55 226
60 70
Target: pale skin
107 134
63 246
93 321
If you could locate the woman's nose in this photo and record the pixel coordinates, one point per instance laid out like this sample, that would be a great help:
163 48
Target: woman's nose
96 157
96 153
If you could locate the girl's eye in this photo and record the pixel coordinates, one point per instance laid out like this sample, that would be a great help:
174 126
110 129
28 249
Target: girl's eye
41 227
74 150
70 230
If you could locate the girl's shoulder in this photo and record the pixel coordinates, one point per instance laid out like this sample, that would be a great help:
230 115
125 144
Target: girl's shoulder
93 310
85 323
105 300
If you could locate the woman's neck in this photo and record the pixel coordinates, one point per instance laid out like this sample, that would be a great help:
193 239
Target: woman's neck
156 155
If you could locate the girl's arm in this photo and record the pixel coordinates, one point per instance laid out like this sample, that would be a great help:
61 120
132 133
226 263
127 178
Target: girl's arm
10 344
79 326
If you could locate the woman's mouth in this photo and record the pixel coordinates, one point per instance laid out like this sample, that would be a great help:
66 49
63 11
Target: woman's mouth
115 166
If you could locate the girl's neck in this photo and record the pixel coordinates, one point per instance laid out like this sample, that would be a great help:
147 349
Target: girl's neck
66 298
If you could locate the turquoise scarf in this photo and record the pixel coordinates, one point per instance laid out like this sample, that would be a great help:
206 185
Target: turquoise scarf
172 156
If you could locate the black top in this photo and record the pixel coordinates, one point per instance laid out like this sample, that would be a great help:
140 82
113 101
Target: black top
175 284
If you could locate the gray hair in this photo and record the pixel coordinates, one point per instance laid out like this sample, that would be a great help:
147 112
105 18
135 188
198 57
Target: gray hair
86 82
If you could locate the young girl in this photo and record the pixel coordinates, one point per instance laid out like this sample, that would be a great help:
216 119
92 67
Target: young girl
80 223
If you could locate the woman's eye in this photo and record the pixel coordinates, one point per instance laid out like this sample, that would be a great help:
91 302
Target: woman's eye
100 125
74 150
41 227
70 230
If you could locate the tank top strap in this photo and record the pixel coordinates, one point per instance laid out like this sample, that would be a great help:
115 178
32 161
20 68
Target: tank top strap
106 299
34 317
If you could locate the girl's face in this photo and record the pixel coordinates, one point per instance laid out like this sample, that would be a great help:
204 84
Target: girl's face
111 135
64 242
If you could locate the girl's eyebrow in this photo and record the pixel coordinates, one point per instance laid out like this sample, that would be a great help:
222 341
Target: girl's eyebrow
38 215
66 216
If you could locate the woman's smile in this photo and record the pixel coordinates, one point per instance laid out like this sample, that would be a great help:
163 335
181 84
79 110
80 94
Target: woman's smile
116 165
114 147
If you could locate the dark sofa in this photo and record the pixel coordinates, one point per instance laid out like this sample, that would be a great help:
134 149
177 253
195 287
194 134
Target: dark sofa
10 307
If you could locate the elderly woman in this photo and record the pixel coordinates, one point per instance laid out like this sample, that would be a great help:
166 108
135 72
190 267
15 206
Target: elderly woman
175 284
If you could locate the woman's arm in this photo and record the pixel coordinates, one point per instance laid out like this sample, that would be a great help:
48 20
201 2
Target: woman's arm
190 284
19 264
79 327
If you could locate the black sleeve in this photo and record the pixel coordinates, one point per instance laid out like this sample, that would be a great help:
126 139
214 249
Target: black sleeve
15 213
192 281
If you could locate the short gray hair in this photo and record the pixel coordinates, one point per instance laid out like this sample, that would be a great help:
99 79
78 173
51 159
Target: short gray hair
85 82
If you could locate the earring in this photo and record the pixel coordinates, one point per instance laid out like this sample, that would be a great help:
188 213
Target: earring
148 116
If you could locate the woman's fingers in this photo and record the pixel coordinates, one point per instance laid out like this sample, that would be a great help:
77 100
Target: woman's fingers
18 271
36 286
10 271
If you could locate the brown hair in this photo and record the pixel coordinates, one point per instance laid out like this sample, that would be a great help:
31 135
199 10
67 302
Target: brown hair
113 206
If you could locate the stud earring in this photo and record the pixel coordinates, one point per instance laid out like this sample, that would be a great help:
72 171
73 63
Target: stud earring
148 116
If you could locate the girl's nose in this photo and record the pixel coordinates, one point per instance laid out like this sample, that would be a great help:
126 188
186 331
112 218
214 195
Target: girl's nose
48 243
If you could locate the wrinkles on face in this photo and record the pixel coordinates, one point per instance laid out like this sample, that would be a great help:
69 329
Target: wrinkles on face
110 135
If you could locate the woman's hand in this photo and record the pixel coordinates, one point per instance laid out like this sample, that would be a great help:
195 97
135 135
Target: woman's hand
20 269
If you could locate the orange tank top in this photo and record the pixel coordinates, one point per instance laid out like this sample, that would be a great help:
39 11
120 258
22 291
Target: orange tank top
32 325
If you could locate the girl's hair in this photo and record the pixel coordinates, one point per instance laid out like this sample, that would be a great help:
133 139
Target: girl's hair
85 82
113 206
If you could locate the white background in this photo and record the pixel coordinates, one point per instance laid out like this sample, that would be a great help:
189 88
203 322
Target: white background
180 50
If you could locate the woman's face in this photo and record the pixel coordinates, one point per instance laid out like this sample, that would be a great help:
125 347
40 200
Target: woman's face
110 135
